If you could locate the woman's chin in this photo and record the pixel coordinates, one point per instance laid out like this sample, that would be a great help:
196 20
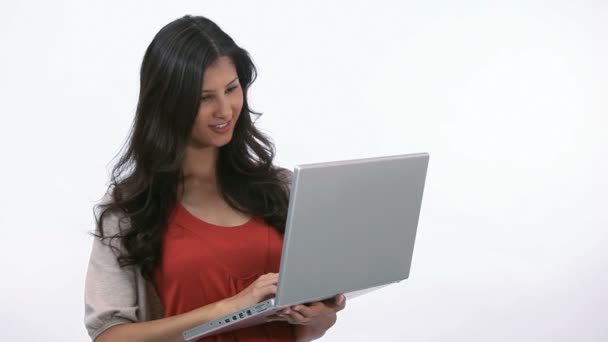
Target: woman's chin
221 142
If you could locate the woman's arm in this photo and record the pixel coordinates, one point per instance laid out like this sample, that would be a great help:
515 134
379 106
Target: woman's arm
170 329
165 329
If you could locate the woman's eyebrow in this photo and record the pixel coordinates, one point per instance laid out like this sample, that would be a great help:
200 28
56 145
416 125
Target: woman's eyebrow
229 83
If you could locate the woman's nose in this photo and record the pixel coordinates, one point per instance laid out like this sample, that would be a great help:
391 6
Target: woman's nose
223 108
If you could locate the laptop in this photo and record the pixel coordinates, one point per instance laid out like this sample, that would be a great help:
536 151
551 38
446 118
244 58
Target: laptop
351 227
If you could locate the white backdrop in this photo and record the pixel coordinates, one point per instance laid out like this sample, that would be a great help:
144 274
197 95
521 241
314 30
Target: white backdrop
508 97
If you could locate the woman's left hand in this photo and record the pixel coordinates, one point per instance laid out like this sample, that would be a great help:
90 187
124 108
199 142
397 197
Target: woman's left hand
313 319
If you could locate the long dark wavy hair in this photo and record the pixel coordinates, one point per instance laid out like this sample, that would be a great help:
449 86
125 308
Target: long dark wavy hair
144 182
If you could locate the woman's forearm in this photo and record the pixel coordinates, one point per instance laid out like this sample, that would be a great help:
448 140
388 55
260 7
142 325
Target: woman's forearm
168 329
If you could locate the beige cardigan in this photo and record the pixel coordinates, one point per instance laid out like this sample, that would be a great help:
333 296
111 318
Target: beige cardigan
113 294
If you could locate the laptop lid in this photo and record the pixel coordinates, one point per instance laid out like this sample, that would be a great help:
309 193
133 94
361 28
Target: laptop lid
351 226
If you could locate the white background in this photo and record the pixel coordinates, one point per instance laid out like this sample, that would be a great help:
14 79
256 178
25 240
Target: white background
509 98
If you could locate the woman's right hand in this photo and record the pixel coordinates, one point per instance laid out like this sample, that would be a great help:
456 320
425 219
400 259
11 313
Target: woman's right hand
262 288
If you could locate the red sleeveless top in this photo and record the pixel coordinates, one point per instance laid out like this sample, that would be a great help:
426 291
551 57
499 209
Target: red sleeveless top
202 263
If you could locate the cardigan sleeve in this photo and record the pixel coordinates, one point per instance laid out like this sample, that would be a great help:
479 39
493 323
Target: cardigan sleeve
110 290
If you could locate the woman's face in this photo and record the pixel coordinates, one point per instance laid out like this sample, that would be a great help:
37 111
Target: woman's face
220 106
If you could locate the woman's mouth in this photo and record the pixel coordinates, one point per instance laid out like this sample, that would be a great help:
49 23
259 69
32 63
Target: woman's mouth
221 128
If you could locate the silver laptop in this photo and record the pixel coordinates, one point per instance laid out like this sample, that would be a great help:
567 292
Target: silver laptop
350 229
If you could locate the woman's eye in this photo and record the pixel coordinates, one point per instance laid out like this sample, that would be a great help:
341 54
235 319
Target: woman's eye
229 90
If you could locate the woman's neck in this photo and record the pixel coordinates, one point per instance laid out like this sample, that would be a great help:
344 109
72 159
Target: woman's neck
199 168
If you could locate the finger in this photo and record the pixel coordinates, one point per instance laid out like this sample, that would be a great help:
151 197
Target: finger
264 281
264 285
337 303
306 311
270 289
269 276
265 291
282 316
285 313
341 301
260 285
334 305
267 280
313 309
295 317
275 318
316 305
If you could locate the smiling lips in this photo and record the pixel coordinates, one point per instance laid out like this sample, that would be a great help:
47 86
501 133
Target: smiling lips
221 128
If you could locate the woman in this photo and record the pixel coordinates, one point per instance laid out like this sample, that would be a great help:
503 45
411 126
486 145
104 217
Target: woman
191 228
